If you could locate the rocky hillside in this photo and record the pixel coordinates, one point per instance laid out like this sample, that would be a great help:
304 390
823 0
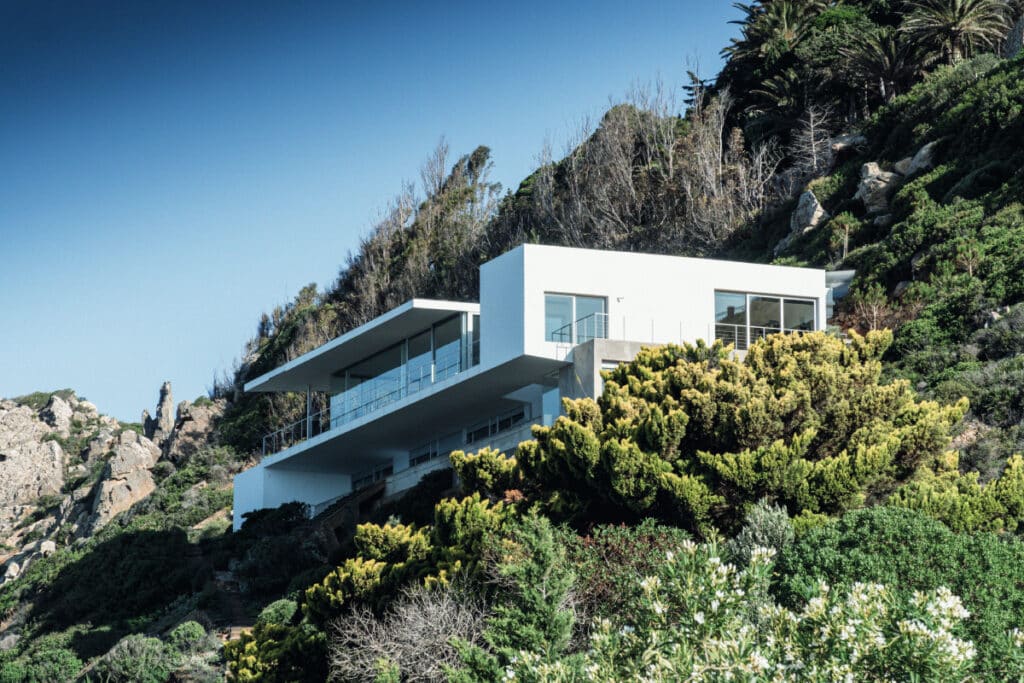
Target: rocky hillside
114 538
66 470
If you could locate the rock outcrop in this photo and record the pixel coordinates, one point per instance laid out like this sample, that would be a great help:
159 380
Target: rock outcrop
31 465
159 429
57 414
924 160
847 143
110 469
876 188
193 429
126 480
807 216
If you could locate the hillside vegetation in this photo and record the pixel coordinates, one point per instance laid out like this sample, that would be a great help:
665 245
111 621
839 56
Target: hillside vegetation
836 506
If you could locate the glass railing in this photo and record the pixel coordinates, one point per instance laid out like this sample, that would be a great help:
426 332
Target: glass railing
370 397
593 326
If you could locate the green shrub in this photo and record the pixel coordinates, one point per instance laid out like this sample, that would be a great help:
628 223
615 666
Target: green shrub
137 659
911 552
186 636
13 672
278 612
690 436
53 664
531 609
963 503
273 653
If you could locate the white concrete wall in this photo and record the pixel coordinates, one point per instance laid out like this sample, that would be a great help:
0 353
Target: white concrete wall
651 298
248 494
282 486
267 487
502 308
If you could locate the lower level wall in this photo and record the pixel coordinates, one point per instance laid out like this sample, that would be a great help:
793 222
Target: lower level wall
582 379
262 487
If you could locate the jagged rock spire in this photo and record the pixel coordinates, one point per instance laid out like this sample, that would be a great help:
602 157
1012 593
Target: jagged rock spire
159 429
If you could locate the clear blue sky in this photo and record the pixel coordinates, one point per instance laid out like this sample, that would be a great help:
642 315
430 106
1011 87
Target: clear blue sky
170 170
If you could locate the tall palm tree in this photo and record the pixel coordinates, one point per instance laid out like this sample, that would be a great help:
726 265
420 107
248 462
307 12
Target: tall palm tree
884 62
770 30
959 27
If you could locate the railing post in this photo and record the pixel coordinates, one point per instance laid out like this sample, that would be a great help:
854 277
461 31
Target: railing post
309 412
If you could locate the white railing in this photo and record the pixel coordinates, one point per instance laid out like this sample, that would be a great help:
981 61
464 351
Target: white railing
742 336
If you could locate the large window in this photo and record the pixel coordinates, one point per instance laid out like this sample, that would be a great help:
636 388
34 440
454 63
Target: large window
574 319
435 354
740 318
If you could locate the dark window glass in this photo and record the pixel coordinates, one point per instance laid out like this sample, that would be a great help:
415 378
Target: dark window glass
447 348
475 355
731 318
765 315
798 315
417 370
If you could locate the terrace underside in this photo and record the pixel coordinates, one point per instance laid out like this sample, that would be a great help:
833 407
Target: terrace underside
375 439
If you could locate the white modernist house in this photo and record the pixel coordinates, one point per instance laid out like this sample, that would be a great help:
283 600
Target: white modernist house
431 376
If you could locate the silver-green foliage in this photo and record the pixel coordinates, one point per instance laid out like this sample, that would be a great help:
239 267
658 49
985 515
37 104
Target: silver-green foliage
766 526
695 624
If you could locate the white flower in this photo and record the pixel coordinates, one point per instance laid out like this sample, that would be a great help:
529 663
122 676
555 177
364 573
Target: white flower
699 617
650 584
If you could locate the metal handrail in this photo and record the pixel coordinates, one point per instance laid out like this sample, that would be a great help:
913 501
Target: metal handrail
741 336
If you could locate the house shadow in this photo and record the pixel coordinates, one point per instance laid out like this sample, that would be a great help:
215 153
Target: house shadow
117 586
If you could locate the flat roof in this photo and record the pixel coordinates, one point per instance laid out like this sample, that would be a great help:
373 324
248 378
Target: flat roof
314 368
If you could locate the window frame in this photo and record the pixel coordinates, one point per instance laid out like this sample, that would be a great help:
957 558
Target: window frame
574 335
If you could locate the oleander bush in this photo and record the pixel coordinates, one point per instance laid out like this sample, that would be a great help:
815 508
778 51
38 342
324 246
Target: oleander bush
910 552
696 623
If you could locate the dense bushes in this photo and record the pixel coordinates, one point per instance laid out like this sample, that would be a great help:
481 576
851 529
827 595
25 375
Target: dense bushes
610 560
693 437
391 555
696 622
963 503
910 552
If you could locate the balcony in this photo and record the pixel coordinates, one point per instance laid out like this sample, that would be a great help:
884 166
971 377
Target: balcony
373 394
